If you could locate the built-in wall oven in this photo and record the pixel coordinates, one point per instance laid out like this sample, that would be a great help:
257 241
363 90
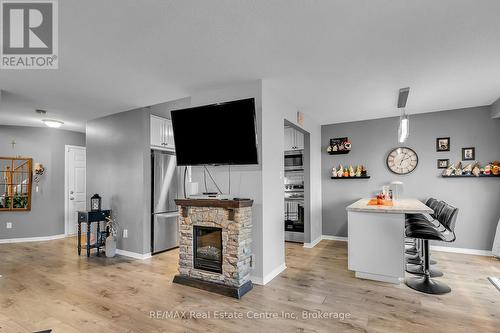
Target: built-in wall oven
294 160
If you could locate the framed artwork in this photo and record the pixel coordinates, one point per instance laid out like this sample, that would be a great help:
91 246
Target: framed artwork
468 154
443 163
443 144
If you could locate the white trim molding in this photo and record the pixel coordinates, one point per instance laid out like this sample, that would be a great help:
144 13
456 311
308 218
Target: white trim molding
335 238
134 255
275 272
433 247
462 250
313 243
31 239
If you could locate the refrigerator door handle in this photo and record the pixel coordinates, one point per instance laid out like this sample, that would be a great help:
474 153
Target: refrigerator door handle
171 214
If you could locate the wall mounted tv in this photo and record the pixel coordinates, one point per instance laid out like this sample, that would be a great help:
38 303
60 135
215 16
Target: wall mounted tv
216 134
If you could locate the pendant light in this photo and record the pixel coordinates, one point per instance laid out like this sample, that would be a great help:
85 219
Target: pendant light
404 122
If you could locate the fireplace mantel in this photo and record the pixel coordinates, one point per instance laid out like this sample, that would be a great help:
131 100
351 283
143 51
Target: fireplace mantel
214 203
234 218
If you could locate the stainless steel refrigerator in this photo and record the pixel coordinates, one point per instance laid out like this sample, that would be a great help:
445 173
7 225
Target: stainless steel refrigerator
164 187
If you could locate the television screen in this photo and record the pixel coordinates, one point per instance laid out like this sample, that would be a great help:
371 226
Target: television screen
216 134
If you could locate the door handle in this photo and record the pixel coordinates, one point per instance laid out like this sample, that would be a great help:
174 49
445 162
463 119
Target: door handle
71 198
71 192
172 214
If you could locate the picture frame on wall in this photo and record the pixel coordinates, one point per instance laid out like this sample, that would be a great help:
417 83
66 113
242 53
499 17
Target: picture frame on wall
443 144
443 163
468 154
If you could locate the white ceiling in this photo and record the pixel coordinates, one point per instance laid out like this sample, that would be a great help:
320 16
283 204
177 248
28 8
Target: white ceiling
335 60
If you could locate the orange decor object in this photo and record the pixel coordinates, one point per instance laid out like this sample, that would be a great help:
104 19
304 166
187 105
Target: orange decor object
380 202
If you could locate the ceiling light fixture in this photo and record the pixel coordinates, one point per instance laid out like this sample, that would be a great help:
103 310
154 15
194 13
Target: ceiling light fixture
404 122
53 123
49 122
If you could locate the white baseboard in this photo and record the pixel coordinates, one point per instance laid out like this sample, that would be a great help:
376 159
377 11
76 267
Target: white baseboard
433 247
461 250
134 255
335 238
31 239
275 272
313 243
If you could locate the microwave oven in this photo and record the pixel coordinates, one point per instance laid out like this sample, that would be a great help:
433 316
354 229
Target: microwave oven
294 161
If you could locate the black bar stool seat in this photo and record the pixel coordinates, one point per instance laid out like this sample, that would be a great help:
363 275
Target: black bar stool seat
425 232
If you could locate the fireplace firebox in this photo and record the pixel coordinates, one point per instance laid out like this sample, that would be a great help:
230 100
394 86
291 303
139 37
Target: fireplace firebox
207 246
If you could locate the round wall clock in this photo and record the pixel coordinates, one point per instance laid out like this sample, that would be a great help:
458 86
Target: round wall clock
402 160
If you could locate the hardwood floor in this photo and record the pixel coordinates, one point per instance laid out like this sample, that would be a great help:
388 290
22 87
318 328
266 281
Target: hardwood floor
46 285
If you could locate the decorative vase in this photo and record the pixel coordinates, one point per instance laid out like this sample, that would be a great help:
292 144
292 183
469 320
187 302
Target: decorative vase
110 246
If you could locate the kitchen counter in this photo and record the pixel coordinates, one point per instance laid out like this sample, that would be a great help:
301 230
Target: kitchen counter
376 237
406 206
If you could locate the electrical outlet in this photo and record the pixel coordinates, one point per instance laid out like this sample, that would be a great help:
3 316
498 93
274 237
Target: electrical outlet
125 233
8 225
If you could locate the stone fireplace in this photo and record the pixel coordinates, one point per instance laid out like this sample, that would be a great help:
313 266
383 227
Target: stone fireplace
215 245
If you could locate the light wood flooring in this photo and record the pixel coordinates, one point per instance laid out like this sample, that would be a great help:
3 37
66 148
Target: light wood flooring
46 285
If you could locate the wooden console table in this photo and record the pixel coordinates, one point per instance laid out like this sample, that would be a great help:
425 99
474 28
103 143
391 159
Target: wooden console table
89 218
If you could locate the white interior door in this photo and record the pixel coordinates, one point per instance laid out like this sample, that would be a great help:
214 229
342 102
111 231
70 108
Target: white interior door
76 194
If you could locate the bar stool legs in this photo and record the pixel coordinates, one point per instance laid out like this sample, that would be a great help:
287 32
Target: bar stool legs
415 264
419 270
425 284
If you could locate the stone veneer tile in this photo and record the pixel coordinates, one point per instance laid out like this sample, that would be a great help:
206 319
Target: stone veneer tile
236 243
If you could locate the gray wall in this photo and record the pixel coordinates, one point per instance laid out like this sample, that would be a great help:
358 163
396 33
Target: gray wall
46 146
117 148
119 169
477 198
495 109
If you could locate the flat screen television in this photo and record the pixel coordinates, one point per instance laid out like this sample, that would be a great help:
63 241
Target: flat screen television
216 134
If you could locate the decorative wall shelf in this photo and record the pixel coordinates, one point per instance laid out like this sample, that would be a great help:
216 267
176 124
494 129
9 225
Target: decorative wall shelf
339 152
471 176
362 177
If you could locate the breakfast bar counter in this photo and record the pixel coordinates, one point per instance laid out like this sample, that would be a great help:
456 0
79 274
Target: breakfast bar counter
376 237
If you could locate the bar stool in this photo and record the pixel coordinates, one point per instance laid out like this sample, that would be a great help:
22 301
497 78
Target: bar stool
425 284
415 264
413 254
411 244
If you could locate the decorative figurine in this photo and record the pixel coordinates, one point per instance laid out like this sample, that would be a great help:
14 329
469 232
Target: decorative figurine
476 170
351 171
340 172
468 168
487 170
495 169
363 170
334 172
358 171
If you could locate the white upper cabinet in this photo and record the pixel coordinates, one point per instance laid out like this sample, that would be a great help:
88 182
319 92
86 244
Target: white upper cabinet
289 138
162 133
294 140
299 140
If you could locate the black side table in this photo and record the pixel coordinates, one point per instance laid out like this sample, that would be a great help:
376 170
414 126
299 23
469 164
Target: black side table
89 218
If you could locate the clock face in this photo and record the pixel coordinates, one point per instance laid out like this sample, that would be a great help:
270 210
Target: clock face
402 160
